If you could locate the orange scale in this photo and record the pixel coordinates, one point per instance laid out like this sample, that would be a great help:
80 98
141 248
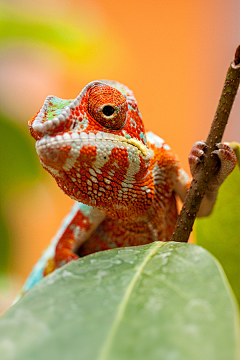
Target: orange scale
108 187
62 173
75 191
94 150
98 127
105 175
103 203
99 177
84 149
119 176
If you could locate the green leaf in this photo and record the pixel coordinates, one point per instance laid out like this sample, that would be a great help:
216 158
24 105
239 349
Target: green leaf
219 232
162 301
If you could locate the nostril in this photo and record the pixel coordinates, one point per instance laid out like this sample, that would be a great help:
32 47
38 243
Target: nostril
74 124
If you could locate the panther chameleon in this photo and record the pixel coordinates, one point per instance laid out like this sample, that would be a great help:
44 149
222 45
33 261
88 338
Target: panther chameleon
124 180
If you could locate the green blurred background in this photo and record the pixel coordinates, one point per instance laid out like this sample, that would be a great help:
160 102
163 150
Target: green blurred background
174 55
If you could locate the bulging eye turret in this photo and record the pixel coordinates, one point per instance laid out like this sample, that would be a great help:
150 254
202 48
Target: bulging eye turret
107 106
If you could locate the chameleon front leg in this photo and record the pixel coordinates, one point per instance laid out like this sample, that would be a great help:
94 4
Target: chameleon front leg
75 229
227 162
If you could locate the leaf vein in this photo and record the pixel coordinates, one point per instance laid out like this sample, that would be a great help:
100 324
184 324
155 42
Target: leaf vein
122 306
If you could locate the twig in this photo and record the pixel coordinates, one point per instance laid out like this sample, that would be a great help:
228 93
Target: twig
206 168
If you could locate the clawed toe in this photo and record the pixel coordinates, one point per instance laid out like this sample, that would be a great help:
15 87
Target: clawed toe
196 155
227 158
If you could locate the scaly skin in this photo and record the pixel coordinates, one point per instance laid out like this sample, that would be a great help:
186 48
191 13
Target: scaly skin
124 180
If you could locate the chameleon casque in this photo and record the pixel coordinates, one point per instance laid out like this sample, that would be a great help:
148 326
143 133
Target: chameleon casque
124 180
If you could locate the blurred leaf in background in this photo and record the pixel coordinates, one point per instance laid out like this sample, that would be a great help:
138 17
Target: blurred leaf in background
18 168
21 28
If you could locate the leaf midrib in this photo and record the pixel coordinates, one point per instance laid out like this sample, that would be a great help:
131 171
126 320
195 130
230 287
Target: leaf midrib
122 306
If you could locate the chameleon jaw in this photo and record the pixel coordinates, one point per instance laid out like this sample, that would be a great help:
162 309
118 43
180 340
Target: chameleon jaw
91 139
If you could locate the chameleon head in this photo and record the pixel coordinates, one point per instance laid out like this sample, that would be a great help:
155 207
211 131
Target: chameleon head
95 145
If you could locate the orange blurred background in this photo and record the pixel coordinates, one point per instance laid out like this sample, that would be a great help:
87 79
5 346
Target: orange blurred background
173 54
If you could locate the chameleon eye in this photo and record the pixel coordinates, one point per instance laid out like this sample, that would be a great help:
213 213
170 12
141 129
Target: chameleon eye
108 110
107 106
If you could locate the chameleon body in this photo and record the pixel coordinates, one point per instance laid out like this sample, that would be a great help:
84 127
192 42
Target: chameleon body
124 180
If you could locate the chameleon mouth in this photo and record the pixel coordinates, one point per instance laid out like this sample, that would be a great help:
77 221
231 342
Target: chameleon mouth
85 139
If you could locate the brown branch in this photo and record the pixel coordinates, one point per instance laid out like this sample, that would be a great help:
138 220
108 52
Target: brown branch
206 168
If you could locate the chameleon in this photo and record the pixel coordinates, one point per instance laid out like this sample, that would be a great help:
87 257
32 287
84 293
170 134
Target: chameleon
124 180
